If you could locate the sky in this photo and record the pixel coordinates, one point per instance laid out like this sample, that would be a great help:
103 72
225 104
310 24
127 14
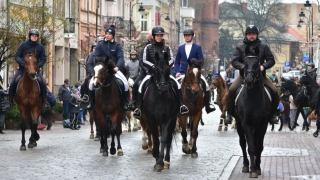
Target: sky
284 1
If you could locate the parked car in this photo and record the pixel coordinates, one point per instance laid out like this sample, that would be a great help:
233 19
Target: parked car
287 75
295 73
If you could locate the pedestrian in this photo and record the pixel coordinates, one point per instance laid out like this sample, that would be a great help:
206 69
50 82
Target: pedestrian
312 71
30 45
188 51
293 110
231 75
267 61
273 78
3 106
75 108
65 98
148 60
109 47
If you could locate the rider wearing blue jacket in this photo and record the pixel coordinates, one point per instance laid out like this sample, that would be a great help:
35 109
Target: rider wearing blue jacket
29 45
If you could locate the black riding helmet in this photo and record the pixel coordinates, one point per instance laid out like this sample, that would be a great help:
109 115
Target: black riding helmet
188 31
33 32
157 30
311 64
252 29
93 45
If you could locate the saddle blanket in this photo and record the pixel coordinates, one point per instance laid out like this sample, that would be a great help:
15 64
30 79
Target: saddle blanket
241 87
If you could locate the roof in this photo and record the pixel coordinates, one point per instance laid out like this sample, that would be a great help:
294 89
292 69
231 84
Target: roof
293 32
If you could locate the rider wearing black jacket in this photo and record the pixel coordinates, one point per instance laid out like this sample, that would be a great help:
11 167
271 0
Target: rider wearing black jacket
266 61
312 71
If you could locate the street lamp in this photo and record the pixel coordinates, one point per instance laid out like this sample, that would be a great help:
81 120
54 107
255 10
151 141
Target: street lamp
141 10
167 18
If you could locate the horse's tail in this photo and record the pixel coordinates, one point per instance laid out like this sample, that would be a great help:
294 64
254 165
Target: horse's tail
51 116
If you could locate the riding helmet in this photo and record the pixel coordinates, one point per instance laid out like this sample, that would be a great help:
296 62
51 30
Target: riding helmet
311 64
93 46
188 31
133 52
157 30
33 32
252 29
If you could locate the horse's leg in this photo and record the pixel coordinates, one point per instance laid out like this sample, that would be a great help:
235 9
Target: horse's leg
155 137
113 134
169 141
91 124
118 133
34 135
223 116
184 134
196 119
281 122
305 121
23 130
243 145
220 124
163 143
97 124
150 141
251 149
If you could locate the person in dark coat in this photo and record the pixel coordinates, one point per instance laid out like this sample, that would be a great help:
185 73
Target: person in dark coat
3 107
65 98
75 108
266 60
312 71
29 45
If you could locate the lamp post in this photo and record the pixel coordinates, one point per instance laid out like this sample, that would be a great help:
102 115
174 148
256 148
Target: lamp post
167 18
97 20
307 6
141 10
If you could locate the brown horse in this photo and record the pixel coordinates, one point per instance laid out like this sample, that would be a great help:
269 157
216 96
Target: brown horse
29 101
107 105
222 93
192 94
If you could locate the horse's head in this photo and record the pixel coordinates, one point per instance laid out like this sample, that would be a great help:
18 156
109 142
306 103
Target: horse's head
252 72
305 78
288 85
193 75
30 63
216 80
162 73
103 72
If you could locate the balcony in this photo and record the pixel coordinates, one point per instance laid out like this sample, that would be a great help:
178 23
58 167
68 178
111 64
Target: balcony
187 12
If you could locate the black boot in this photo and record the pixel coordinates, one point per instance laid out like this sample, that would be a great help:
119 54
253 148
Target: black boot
125 101
137 111
45 105
183 108
74 125
91 100
230 103
209 107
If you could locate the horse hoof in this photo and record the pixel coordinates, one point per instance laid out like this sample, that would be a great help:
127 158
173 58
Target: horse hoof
105 153
120 152
158 167
225 128
150 151
144 146
253 175
194 155
48 128
258 171
307 129
30 145
23 148
101 150
279 129
91 137
166 165
219 128
97 138
315 134
129 130
36 137
245 169
113 151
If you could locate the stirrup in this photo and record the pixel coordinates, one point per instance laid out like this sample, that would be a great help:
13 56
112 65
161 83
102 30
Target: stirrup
137 113
184 109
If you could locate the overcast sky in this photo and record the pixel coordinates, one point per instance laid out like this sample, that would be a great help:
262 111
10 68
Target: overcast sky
284 1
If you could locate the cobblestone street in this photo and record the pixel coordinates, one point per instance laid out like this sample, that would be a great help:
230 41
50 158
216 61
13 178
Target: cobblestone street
65 154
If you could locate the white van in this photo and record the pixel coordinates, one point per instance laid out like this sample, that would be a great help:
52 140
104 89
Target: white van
295 73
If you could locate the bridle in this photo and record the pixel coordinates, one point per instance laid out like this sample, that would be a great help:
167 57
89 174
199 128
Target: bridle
160 84
103 80
255 76
191 82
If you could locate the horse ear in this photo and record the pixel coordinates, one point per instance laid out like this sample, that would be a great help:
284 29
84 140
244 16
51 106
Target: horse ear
189 62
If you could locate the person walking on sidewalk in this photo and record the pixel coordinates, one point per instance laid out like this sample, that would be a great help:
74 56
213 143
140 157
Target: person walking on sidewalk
65 98
3 106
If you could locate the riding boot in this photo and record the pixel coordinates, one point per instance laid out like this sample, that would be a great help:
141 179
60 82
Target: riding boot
45 105
91 99
228 119
137 111
183 108
125 101
274 119
209 107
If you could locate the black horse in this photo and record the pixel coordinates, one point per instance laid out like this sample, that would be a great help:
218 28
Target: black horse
300 98
253 111
160 110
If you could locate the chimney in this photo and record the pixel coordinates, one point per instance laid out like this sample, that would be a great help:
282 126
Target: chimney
244 5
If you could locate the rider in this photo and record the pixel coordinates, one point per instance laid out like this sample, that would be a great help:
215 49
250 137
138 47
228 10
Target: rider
266 60
148 59
188 51
312 71
109 47
231 75
89 68
30 44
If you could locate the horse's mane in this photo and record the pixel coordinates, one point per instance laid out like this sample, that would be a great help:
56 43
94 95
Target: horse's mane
222 82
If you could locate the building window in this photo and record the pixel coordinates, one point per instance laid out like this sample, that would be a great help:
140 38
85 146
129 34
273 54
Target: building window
144 25
184 3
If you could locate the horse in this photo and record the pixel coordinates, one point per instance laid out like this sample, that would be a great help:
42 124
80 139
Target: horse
300 99
222 94
311 87
192 96
29 101
109 113
253 111
159 110
285 113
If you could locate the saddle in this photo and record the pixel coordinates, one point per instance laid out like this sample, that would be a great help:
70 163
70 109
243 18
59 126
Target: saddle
239 90
120 85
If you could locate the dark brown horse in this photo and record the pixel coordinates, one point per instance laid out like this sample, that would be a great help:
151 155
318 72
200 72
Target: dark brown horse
107 105
29 101
222 93
192 94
